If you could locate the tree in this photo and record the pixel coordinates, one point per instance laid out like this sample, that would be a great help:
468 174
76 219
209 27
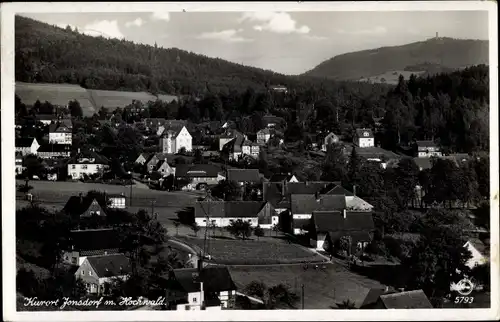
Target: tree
198 156
240 228
346 305
407 178
279 295
75 109
256 288
33 166
227 190
276 228
258 231
195 228
27 283
334 164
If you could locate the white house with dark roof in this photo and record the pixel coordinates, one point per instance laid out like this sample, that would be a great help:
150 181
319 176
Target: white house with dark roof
27 146
91 242
61 132
364 138
174 138
209 288
97 272
244 176
427 149
86 164
53 150
479 252
196 176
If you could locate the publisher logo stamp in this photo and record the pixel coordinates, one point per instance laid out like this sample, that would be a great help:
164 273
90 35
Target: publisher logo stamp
464 287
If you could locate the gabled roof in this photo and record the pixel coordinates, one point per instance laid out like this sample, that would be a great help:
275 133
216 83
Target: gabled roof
424 144
24 142
197 170
307 204
372 296
339 190
273 119
334 221
95 239
81 157
228 209
479 246
46 117
406 300
214 278
59 127
360 133
54 148
77 205
264 131
110 265
355 203
309 187
243 175
281 177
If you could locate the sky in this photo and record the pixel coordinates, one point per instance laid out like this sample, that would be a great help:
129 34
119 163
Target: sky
285 42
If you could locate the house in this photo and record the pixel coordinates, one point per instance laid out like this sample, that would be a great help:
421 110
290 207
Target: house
283 178
331 138
51 150
152 162
91 242
143 158
19 163
84 207
403 300
364 138
98 272
117 201
228 125
222 213
302 206
479 251
372 297
61 132
244 176
27 146
272 121
175 138
228 135
327 227
427 149
263 136
190 289
86 165
197 176
46 119
164 169
279 89
240 147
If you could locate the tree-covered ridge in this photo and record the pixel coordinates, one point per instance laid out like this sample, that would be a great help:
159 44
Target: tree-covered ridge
50 54
432 55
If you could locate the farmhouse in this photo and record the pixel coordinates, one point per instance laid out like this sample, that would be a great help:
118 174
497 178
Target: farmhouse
170 124
98 272
240 147
303 206
47 151
327 227
84 207
197 176
143 158
27 146
189 289
86 165
222 213
244 176
364 138
229 135
164 169
174 138
403 300
479 251
117 201
263 136
427 149
331 138
91 242
61 132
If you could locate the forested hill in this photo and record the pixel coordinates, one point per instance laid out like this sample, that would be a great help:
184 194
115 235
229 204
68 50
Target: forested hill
433 55
49 54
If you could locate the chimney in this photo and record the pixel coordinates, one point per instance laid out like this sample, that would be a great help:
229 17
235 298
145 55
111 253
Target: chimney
345 214
78 150
354 190
202 295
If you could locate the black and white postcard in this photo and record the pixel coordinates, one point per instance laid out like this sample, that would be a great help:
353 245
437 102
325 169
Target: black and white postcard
250 161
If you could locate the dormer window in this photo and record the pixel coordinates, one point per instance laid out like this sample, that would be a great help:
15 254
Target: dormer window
366 134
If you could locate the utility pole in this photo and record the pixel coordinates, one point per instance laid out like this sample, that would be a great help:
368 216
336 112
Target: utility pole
302 296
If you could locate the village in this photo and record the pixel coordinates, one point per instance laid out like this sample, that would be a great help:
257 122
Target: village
319 224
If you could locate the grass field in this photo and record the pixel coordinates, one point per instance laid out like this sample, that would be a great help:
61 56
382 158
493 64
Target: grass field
253 252
56 94
390 77
323 288
113 99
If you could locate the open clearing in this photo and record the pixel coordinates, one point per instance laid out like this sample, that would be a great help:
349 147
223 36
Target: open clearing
253 252
58 192
323 288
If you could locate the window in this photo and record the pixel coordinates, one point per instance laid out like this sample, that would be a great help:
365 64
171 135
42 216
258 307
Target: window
83 272
195 299
90 273
73 166
366 134
84 166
